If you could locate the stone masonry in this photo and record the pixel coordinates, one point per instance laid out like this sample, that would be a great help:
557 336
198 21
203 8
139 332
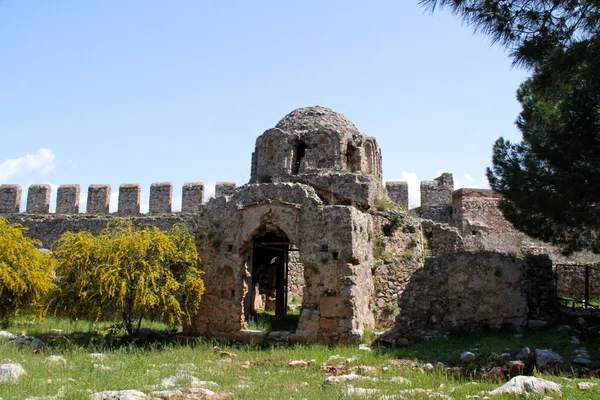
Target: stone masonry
192 197
129 199
317 210
67 199
38 198
224 188
161 198
398 191
98 200
10 199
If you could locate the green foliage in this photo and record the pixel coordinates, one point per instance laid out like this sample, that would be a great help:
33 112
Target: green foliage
25 273
394 224
134 273
532 30
550 179
385 204
408 255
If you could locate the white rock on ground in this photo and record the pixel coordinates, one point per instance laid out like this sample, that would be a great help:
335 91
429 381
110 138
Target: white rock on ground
520 385
350 390
10 372
586 385
6 335
179 379
56 361
119 395
467 356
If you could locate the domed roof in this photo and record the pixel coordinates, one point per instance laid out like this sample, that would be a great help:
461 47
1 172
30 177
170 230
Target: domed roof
313 118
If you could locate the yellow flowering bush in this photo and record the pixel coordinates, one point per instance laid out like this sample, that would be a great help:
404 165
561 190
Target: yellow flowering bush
25 273
133 273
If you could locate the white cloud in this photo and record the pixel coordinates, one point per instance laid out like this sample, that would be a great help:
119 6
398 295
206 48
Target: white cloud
28 167
209 191
414 189
468 181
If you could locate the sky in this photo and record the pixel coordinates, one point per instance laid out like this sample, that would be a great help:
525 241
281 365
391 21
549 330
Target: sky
142 91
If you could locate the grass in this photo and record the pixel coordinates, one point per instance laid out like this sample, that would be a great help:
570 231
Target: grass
264 373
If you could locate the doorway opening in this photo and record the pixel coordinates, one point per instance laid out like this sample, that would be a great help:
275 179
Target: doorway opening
300 153
352 158
267 303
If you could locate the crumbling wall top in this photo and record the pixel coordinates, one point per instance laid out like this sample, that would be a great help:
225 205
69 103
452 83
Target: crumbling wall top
315 118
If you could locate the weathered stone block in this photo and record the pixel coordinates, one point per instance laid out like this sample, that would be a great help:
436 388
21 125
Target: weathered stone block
129 199
67 199
224 189
161 198
437 192
398 192
335 307
10 199
98 200
192 196
38 199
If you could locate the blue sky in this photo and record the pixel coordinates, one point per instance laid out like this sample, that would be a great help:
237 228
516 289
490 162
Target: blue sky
143 91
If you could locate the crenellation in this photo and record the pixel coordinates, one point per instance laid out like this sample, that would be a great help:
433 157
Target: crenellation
10 199
438 191
192 196
67 199
38 198
129 199
398 192
161 198
224 189
98 200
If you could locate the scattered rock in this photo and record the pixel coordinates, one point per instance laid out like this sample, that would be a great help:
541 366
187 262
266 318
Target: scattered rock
350 390
364 369
515 368
564 329
401 379
10 372
168 394
181 378
56 361
574 339
6 335
101 367
521 385
582 361
586 385
348 377
467 356
298 363
546 359
97 356
537 324
119 395
524 354
364 347
495 375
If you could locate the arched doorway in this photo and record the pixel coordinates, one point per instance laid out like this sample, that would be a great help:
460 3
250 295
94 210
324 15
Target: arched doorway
275 284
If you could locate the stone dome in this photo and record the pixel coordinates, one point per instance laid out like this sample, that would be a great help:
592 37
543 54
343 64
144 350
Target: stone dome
313 118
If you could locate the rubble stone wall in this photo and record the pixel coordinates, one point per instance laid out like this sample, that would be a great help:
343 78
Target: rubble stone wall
466 291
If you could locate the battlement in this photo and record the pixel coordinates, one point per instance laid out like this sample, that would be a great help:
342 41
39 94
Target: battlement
98 198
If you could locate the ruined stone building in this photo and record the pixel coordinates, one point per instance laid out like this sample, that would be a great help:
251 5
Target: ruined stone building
316 228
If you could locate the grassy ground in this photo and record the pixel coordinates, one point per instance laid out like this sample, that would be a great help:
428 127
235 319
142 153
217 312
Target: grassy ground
263 373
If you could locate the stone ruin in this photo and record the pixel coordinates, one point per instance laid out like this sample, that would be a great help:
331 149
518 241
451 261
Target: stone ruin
316 228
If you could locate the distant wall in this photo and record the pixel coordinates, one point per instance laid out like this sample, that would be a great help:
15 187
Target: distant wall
98 199
48 228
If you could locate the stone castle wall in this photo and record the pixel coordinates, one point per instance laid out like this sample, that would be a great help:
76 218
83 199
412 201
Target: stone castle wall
98 199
